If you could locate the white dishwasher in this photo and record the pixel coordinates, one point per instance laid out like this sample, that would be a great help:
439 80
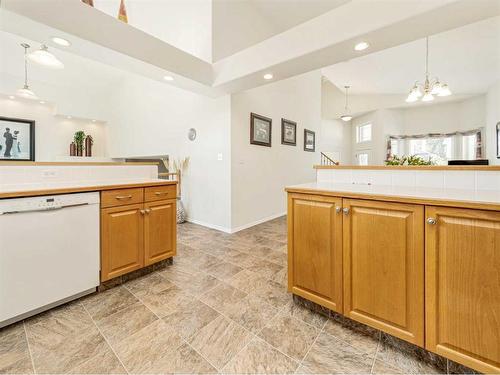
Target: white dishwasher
49 252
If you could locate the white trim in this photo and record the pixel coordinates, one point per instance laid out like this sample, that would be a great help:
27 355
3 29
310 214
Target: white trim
260 221
237 229
208 225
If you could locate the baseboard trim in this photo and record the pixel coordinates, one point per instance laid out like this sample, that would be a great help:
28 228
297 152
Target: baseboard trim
208 225
257 222
237 229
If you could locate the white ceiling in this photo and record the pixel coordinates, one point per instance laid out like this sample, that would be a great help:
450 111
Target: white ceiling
237 25
467 58
313 44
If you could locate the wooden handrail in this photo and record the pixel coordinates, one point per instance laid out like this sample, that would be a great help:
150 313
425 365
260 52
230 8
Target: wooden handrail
326 160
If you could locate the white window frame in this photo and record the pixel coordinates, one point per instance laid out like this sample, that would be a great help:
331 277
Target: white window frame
358 128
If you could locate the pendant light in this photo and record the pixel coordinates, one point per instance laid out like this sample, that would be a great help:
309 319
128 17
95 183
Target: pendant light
45 58
347 113
25 91
431 87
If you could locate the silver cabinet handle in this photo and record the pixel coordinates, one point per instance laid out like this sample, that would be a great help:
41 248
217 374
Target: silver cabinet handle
338 209
148 210
346 211
142 211
119 197
431 221
161 192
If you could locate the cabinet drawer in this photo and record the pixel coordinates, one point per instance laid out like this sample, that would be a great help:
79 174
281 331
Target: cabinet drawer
121 197
156 193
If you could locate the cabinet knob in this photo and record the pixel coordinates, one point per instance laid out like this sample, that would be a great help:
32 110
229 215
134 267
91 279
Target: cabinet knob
148 210
346 211
431 221
338 209
142 211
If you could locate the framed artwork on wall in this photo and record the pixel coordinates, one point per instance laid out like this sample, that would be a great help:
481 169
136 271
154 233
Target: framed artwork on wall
17 139
309 140
498 140
288 132
260 130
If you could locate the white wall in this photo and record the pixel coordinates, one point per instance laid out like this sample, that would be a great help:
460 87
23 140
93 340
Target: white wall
335 139
151 118
259 174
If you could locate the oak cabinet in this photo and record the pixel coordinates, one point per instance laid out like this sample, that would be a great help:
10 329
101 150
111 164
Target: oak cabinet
384 266
136 235
463 286
122 240
159 231
315 249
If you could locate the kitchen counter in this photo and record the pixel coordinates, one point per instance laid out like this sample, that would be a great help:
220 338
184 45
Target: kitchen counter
482 199
50 188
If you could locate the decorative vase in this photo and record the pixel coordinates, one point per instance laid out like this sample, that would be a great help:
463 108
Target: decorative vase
181 212
72 149
79 150
88 145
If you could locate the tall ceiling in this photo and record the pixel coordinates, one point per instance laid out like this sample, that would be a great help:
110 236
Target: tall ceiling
467 58
215 47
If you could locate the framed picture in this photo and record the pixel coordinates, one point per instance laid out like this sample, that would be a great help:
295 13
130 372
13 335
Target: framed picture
309 140
288 132
17 139
498 140
260 130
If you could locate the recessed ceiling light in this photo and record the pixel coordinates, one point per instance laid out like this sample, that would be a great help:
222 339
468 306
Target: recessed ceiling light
268 76
69 117
361 46
94 120
61 41
41 102
168 78
12 97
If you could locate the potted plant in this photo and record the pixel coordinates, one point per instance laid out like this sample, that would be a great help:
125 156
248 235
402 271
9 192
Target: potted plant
79 139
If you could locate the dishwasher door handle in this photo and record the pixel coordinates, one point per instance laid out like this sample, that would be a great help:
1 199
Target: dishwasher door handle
56 208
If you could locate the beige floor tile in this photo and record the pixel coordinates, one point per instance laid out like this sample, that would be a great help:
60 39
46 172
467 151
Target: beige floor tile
273 293
105 362
150 349
265 269
165 301
404 362
281 277
188 320
126 322
149 284
382 368
365 341
247 281
14 352
103 304
251 312
220 340
240 259
328 355
258 357
291 336
300 312
185 360
223 297
223 270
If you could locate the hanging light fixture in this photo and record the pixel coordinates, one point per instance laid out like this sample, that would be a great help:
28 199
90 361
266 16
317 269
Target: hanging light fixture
25 91
347 113
45 58
431 87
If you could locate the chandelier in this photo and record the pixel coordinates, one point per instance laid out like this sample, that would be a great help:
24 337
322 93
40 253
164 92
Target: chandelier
430 87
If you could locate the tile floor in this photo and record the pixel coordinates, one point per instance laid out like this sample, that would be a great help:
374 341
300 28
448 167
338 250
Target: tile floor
222 307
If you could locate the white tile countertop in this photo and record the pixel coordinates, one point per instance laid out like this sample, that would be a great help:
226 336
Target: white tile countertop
412 193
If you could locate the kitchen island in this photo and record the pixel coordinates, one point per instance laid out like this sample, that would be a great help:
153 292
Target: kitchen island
419 263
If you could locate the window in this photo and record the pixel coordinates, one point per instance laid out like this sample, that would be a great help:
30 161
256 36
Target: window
436 149
469 147
363 159
364 133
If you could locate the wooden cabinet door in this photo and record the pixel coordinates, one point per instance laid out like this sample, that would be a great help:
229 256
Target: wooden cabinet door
159 230
463 286
315 249
122 240
384 267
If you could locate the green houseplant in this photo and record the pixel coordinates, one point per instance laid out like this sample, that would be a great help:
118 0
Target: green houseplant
79 139
407 160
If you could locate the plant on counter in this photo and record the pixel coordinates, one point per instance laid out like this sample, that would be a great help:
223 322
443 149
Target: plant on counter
407 160
79 139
